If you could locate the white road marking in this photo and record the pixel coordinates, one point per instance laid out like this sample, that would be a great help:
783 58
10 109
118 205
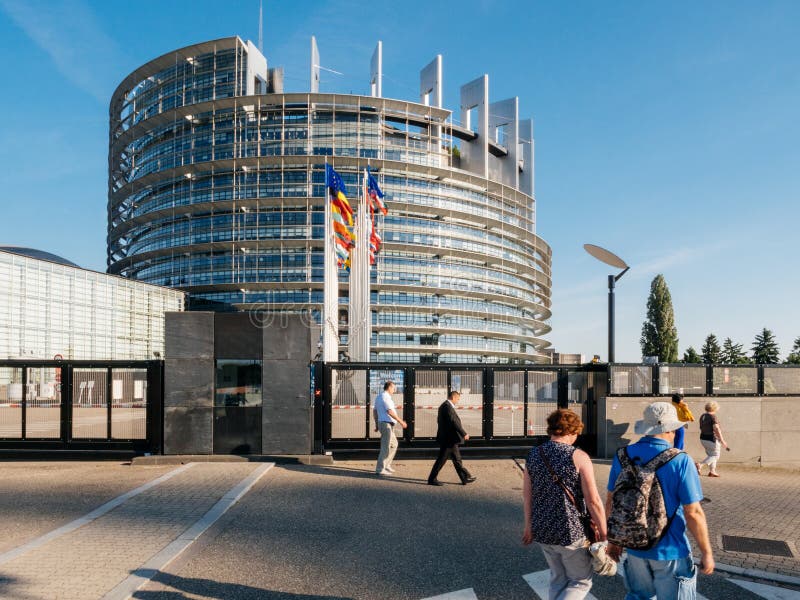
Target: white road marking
767 591
88 518
467 594
540 583
160 560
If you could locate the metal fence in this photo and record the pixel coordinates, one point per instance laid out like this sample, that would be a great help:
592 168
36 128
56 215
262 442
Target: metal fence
704 380
507 405
81 405
499 405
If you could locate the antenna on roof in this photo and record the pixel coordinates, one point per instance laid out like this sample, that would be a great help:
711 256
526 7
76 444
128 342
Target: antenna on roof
261 26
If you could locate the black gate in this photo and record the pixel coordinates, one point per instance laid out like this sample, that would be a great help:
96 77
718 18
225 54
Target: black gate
112 406
500 405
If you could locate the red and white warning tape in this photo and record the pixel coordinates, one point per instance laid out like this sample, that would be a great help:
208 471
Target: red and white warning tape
362 406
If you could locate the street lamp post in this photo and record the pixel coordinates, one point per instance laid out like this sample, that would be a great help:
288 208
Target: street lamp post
612 260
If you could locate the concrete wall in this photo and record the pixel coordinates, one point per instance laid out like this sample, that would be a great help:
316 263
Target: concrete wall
194 340
760 430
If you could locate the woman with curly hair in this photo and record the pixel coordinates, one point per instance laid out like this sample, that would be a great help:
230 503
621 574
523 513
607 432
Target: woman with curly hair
555 471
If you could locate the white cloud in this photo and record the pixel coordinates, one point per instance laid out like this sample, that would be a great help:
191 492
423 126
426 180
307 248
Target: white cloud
68 31
678 257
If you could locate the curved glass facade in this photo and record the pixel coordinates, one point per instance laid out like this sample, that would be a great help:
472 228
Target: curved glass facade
219 191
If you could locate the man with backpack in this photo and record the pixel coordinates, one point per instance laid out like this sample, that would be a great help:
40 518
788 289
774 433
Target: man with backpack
653 497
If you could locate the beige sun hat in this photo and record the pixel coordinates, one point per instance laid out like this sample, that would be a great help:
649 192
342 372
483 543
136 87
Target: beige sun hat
659 417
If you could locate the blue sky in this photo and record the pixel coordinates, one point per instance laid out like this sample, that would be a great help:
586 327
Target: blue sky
667 132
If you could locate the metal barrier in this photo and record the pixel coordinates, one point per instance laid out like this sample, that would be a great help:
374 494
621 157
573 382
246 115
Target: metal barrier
81 405
507 405
704 380
500 405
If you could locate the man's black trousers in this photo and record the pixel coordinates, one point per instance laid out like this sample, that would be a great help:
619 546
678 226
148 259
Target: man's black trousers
453 453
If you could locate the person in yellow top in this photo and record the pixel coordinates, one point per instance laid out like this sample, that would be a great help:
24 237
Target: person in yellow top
685 415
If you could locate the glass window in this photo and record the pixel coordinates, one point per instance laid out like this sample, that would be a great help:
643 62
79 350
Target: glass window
238 383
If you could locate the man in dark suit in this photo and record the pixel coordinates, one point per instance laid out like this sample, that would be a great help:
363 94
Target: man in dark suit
449 435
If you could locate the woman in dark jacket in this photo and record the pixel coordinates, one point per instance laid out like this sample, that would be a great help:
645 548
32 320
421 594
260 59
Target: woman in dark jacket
551 518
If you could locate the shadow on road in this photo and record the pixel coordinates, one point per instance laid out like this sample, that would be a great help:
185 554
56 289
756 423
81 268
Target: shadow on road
217 590
9 588
359 474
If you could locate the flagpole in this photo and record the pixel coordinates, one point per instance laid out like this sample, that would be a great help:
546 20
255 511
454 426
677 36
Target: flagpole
352 310
359 283
352 325
330 294
366 315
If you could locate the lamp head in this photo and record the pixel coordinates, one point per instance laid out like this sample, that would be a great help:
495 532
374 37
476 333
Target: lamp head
605 256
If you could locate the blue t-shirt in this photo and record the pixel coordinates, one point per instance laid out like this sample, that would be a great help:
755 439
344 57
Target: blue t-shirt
680 485
679 435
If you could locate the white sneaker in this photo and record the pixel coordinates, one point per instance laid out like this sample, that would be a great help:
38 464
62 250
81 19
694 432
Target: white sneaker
390 469
384 472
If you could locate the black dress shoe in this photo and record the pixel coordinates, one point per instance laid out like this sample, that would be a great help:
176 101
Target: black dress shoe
469 479
435 482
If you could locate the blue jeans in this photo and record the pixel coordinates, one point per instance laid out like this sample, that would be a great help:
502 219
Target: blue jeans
664 579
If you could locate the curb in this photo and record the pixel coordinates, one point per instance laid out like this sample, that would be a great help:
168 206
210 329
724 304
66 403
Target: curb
177 459
758 574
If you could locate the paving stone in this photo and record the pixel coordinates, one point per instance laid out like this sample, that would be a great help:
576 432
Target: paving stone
37 497
91 560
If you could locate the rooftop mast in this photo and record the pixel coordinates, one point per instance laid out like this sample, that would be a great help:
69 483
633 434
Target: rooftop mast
261 26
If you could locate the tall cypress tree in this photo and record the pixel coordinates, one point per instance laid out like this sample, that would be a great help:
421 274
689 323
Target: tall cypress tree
711 352
659 335
765 348
732 354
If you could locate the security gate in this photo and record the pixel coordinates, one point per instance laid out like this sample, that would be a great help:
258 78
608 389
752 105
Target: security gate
81 405
500 405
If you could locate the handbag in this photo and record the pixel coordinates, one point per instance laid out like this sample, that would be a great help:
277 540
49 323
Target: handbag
589 528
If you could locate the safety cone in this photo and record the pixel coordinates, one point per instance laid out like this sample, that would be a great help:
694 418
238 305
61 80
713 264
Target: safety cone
530 427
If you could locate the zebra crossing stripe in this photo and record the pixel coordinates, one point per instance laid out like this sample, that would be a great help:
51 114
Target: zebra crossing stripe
467 594
767 591
540 583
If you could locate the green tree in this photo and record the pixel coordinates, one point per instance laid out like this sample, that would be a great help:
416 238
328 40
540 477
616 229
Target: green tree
711 352
659 335
794 355
765 348
691 356
733 354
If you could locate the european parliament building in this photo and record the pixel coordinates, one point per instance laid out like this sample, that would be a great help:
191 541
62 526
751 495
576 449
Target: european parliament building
216 187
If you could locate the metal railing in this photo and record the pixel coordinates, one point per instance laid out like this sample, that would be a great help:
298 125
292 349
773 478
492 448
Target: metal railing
507 405
81 405
627 379
500 405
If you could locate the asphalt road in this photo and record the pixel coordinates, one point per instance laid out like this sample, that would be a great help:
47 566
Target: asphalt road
340 532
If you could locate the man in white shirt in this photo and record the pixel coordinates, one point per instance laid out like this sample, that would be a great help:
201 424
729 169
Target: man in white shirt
385 416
